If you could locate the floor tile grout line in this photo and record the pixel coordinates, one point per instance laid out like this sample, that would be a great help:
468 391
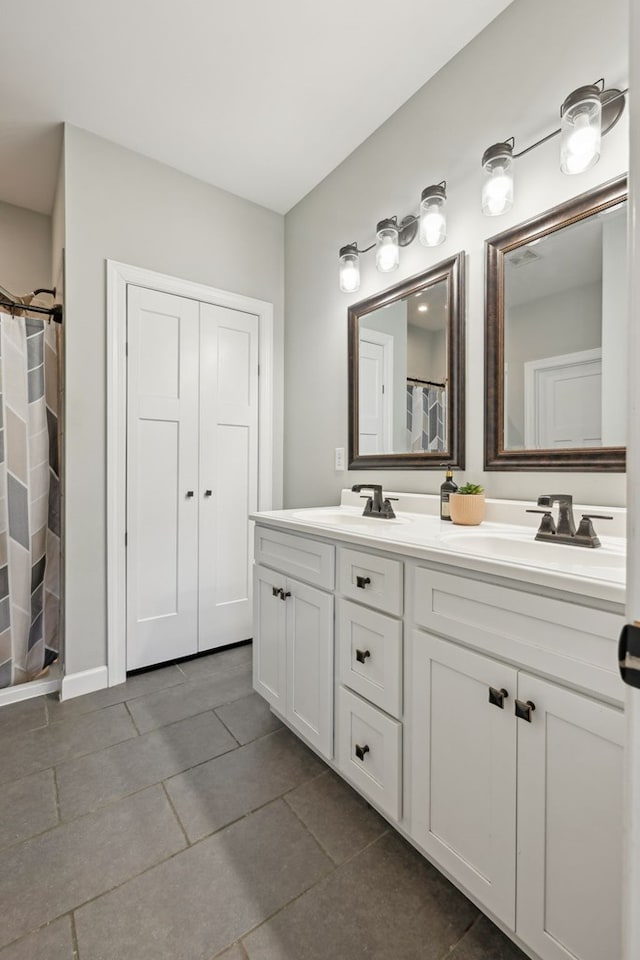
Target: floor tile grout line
131 717
133 793
56 795
308 829
451 950
176 814
39 928
334 869
74 937
214 711
208 709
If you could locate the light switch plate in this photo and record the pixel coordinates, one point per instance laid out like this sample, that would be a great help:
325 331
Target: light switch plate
339 458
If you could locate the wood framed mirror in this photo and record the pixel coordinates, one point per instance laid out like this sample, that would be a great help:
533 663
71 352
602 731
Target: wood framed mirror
406 373
556 338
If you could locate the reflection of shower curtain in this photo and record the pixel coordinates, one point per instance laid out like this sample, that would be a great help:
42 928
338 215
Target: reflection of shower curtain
29 498
426 419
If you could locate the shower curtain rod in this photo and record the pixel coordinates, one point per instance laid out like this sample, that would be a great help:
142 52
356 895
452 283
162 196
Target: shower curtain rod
429 383
8 300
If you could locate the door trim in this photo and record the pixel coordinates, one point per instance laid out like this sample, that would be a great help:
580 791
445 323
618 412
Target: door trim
119 275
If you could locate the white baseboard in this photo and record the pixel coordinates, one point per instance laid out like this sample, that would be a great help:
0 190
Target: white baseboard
26 691
87 681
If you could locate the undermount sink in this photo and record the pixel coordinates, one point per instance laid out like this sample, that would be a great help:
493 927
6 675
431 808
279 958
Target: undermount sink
343 518
524 548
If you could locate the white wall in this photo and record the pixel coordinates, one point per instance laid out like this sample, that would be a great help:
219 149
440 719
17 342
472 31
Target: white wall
510 80
25 249
123 206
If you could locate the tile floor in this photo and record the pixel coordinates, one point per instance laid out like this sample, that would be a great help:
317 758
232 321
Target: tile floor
174 818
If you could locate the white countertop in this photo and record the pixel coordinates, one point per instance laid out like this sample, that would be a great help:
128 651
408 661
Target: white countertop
506 550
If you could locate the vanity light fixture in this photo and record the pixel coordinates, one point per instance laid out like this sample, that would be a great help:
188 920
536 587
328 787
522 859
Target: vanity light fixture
391 234
586 115
581 127
349 268
387 245
497 190
433 220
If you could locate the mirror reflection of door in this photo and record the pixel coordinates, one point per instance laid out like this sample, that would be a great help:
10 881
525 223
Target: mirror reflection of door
375 396
563 401
402 371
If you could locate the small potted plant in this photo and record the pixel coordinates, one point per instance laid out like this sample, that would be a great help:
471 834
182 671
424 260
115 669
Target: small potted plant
467 505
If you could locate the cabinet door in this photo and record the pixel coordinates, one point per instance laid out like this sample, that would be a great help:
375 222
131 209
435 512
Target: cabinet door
463 790
570 772
269 642
310 664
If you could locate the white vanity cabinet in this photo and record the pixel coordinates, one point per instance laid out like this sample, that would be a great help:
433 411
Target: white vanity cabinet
293 635
516 780
521 808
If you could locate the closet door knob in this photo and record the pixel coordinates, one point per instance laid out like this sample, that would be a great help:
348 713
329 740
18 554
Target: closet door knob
360 751
524 710
189 494
284 594
208 493
361 655
498 697
276 592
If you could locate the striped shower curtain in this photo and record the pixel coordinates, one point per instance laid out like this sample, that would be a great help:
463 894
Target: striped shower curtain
29 498
426 419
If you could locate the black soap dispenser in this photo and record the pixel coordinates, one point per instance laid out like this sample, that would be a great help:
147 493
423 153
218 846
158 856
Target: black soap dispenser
448 487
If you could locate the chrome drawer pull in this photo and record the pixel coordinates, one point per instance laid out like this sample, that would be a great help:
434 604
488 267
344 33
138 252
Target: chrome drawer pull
360 751
361 655
362 582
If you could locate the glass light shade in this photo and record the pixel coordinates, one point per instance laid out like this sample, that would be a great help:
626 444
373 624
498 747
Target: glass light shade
349 269
581 130
387 246
497 190
433 220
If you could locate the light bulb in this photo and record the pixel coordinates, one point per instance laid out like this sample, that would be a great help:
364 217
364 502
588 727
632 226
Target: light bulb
349 270
387 248
433 221
497 190
581 130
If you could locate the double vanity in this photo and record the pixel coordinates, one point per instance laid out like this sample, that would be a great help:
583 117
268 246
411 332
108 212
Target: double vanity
464 681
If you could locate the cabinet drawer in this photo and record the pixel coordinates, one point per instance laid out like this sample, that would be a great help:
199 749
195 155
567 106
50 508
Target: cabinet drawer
572 643
309 560
369 579
370 751
370 655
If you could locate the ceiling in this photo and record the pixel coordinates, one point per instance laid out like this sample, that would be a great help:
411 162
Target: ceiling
260 97
568 259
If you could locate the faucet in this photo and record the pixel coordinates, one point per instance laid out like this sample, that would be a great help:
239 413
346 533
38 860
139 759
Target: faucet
565 530
377 504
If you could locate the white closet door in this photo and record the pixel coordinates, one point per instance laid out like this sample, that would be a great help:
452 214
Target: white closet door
229 470
162 469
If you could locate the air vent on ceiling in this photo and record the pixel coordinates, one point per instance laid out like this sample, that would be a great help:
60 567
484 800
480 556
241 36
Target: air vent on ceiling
519 258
